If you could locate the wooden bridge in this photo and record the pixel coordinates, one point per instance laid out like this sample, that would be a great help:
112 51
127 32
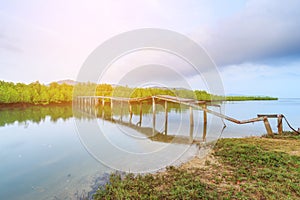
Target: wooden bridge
94 101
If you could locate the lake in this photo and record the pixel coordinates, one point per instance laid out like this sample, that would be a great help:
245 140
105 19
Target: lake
55 152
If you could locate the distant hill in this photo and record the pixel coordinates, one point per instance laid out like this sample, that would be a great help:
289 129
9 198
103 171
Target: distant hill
67 81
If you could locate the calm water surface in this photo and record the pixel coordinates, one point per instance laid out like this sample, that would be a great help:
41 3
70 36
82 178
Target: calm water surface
44 157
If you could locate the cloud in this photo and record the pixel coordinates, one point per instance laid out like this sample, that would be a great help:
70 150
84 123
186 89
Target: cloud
263 29
5 46
8 43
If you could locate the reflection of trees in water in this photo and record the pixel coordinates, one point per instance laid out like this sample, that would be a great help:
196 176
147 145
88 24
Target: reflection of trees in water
34 114
37 114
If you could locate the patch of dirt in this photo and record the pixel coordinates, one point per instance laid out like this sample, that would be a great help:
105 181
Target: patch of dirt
201 163
210 171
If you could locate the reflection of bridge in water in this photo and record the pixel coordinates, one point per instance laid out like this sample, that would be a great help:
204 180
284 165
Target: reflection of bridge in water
87 103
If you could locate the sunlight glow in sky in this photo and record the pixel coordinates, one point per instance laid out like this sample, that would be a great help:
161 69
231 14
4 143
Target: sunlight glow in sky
254 43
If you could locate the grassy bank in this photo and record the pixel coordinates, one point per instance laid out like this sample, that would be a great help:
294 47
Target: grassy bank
246 168
250 98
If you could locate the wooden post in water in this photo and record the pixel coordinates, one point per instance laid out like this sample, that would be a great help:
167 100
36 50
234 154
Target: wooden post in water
90 110
191 124
111 108
204 132
166 117
268 127
95 111
279 124
130 112
141 113
103 104
204 123
153 115
96 101
121 118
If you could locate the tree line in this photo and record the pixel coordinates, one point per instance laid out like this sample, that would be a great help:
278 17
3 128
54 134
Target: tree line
37 93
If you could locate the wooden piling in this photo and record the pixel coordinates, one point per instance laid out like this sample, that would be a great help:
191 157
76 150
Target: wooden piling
111 108
191 124
103 103
130 112
121 117
166 117
268 126
102 109
96 112
279 124
204 122
90 110
204 115
141 113
96 102
153 115
204 132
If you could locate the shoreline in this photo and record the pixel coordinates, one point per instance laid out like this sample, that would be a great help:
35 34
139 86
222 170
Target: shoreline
229 171
26 105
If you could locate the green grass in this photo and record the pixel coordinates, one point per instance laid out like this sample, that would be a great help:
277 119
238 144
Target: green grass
175 184
266 173
248 168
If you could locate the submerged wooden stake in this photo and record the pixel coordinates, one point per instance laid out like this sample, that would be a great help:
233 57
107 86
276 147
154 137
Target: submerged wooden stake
121 118
111 107
141 113
204 123
103 103
166 117
154 116
191 124
204 132
96 102
95 111
130 113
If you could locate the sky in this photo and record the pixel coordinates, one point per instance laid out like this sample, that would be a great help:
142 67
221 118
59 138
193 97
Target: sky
255 44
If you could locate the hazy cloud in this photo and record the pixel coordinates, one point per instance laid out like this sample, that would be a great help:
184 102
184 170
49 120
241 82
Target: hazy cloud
263 29
6 45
